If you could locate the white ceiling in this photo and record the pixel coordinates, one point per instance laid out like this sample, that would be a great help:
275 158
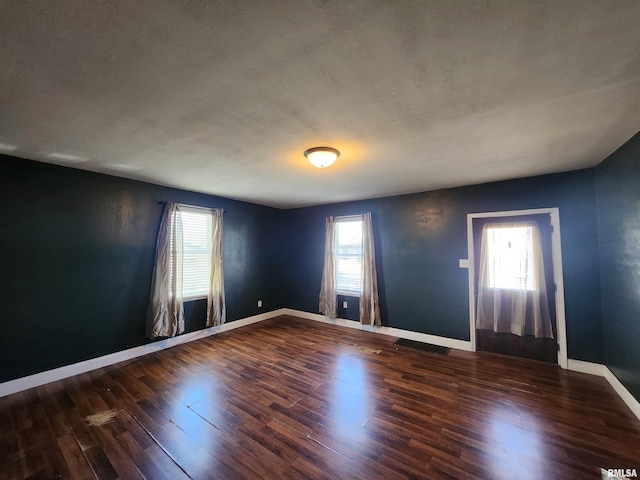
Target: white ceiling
223 97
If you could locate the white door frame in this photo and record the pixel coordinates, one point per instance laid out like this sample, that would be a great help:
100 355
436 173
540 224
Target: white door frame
556 254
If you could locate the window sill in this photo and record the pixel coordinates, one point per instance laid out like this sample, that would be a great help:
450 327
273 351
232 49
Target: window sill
193 299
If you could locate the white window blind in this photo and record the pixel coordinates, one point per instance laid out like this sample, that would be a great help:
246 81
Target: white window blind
510 251
196 252
349 256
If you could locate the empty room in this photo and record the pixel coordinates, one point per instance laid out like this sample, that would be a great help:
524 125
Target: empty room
317 239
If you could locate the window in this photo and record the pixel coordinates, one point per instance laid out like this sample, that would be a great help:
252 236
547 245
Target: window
510 257
349 256
196 252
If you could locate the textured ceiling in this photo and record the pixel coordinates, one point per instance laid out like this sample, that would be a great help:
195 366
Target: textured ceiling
223 97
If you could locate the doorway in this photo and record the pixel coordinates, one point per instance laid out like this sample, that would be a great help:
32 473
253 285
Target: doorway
527 346
546 349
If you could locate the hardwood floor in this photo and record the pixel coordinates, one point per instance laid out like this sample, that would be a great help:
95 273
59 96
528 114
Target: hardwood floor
296 399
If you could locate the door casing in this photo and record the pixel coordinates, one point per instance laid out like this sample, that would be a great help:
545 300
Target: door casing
556 254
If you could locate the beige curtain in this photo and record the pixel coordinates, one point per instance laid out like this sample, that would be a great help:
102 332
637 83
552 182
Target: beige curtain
328 295
216 310
369 306
165 316
520 311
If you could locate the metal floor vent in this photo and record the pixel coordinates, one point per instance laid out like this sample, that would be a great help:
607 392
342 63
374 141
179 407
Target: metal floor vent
425 347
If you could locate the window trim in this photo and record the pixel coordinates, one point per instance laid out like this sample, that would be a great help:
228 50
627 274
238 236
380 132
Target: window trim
345 219
200 210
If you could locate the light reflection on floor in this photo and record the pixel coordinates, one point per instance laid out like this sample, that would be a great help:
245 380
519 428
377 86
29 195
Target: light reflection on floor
193 390
518 452
350 400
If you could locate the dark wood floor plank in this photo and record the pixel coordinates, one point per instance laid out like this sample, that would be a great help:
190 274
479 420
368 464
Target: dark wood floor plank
100 464
121 462
195 460
75 460
142 461
11 468
297 399
152 462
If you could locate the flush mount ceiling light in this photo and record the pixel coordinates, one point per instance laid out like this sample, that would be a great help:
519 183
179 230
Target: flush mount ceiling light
322 157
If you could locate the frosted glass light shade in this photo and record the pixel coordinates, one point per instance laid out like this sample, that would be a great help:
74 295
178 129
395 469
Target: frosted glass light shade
322 157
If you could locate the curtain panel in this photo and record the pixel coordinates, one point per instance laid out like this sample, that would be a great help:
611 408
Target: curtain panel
216 308
369 303
165 315
328 290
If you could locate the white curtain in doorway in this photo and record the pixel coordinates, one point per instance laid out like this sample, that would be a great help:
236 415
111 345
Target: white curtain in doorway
165 316
512 291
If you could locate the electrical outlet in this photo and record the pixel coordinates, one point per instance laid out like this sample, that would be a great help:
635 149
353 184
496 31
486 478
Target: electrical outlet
259 303
344 304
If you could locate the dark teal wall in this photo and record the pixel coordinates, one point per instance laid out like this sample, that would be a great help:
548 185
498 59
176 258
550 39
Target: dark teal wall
618 195
421 237
78 247
77 259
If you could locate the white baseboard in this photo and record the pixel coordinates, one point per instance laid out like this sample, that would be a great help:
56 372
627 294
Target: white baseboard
625 395
25 383
586 367
394 332
603 371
